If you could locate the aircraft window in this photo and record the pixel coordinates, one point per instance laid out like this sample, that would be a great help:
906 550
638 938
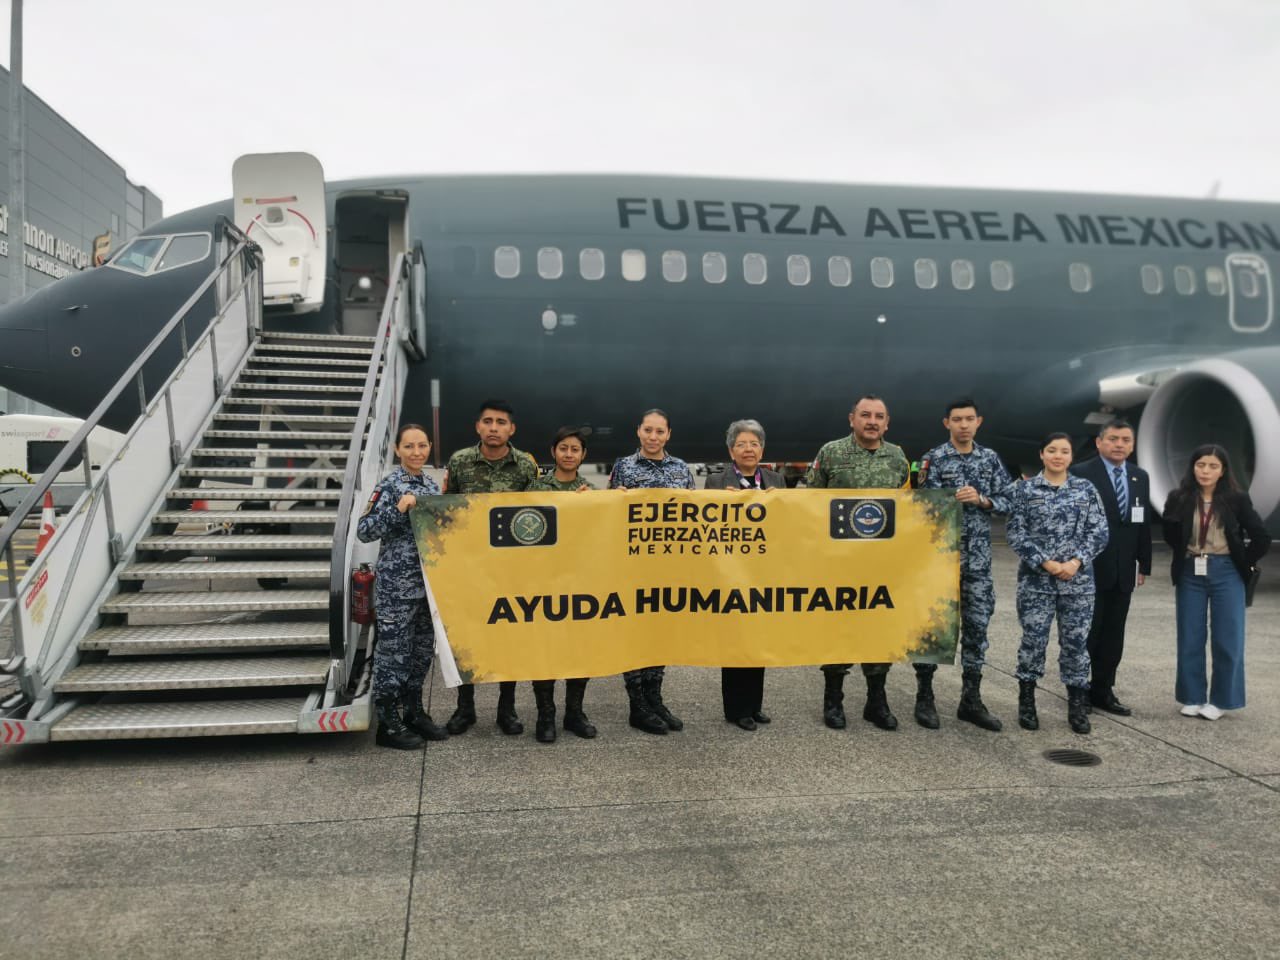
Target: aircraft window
1248 283
591 263
674 267
550 263
926 273
1215 281
138 255
1152 278
1081 277
1001 275
714 267
1184 280
840 271
798 270
633 265
506 262
755 269
882 271
184 249
962 276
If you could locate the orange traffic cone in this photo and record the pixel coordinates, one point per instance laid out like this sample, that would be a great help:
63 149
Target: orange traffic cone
47 523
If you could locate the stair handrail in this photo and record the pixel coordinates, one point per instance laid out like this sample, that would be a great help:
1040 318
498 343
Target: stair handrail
79 442
383 375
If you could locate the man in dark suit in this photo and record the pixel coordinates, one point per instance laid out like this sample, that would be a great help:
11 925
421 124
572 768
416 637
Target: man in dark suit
1125 490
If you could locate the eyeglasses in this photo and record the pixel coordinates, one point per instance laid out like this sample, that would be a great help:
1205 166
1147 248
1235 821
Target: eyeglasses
747 444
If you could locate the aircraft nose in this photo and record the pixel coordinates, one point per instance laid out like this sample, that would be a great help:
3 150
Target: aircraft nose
24 349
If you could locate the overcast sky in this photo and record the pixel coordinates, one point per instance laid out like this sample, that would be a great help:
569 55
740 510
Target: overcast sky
1162 97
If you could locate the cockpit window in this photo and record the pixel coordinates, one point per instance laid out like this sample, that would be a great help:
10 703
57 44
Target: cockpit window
184 249
149 255
138 255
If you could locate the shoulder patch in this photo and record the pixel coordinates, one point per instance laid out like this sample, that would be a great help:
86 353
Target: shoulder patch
372 501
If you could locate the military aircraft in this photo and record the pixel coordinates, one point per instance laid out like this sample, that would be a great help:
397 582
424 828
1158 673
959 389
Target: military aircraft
588 299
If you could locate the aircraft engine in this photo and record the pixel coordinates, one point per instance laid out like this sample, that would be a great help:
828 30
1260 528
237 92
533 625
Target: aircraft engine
1229 400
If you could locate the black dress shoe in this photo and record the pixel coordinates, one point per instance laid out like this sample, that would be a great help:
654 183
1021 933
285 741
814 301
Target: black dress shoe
746 723
1110 704
761 717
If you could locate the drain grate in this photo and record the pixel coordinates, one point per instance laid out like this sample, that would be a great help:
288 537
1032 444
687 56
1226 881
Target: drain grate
1073 758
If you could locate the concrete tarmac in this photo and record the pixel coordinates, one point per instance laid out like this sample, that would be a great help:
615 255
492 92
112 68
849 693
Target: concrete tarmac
793 841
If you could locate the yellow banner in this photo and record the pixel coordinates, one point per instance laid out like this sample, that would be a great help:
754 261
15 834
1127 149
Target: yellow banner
530 586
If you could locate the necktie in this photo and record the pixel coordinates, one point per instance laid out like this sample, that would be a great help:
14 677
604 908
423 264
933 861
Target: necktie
1118 479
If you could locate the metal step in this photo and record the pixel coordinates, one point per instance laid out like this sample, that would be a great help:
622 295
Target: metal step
289 402
308 361
189 673
254 493
300 453
303 374
296 387
218 543
246 516
218 601
133 641
289 348
292 436
228 570
290 473
291 337
335 419
208 718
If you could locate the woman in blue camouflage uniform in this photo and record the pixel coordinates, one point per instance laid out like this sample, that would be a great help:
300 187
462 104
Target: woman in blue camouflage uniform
651 467
1056 526
406 639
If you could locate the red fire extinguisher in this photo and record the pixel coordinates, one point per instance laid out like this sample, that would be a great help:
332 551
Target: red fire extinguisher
362 594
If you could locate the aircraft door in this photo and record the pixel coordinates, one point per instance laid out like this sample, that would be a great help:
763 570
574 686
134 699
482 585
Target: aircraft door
1250 292
280 204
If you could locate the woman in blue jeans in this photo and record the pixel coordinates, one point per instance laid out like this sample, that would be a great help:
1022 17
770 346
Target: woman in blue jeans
1217 538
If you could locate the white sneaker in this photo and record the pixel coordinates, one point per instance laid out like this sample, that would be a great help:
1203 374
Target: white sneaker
1210 712
1191 710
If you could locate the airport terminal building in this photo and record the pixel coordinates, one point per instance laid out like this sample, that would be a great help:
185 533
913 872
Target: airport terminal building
80 204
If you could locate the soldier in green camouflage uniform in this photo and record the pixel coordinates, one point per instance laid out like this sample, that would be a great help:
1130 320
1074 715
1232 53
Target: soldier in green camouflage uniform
567 450
862 459
492 466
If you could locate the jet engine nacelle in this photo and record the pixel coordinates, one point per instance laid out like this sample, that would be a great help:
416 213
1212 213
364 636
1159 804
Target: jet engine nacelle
1228 400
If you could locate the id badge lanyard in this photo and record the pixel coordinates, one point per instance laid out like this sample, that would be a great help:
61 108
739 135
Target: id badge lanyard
1206 517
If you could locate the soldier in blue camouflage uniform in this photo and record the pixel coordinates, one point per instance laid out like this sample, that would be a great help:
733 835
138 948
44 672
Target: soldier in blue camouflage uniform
405 639
862 459
1057 525
568 448
983 486
651 466
493 465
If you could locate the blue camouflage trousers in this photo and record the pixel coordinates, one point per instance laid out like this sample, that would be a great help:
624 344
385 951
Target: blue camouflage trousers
406 642
1036 610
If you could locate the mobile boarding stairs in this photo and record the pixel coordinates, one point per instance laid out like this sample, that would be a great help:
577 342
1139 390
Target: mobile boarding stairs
200 584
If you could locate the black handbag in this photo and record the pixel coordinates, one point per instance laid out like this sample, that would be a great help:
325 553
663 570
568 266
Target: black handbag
1250 583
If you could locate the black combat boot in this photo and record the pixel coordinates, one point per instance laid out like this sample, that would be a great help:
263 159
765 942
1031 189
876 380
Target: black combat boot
418 720
1077 716
391 729
653 694
1027 718
926 709
971 706
877 708
642 715
833 700
464 715
508 722
544 695
575 721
